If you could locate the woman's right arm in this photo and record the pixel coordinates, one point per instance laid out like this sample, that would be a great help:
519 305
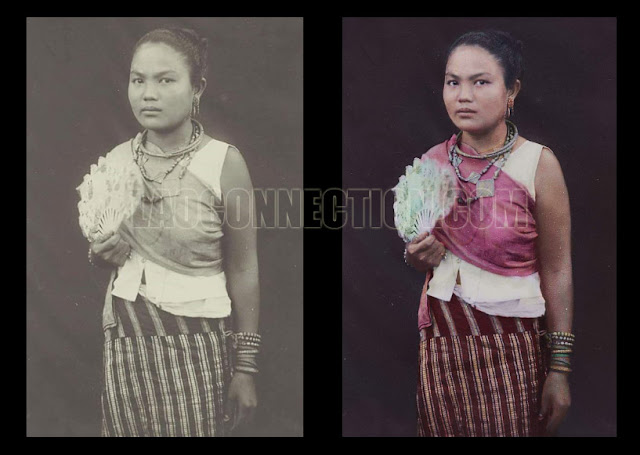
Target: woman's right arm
424 252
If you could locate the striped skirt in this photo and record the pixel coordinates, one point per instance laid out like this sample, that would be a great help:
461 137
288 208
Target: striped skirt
164 375
479 375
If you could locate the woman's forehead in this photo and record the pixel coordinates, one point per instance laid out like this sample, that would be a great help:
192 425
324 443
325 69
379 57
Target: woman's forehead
158 56
472 59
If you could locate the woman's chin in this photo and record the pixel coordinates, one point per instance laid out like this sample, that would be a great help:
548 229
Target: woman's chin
157 124
472 126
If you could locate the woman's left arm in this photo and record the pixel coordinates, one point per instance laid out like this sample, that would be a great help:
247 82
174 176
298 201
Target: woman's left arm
553 222
241 269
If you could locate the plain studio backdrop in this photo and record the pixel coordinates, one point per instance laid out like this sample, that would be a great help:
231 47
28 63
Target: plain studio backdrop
393 74
77 110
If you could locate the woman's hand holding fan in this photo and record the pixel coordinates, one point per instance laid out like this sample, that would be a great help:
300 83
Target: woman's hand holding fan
109 194
424 195
111 248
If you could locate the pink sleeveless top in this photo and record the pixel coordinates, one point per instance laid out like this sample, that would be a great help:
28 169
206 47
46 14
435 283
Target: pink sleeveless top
496 234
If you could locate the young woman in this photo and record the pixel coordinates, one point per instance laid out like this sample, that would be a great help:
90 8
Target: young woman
180 267
498 267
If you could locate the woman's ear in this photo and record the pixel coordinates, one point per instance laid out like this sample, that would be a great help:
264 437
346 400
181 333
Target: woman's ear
201 87
516 89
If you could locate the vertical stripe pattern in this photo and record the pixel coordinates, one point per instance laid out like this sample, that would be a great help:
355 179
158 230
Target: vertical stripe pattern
164 375
479 375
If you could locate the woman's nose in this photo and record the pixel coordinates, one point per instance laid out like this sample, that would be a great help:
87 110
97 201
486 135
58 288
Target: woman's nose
466 93
150 92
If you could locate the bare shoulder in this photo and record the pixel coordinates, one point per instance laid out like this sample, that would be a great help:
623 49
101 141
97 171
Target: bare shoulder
234 158
549 177
548 162
235 172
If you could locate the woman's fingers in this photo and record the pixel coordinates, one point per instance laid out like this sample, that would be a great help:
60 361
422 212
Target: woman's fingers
121 254
555 419
434 255
243 413
246 409
421 237
114 250
425 252
424 245
230 415
113 240
544 411
557 412
105 242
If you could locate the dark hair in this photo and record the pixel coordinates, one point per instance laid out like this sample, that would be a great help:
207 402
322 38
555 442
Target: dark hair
185 41
504 47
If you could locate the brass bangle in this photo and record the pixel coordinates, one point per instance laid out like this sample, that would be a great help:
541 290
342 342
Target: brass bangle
560 369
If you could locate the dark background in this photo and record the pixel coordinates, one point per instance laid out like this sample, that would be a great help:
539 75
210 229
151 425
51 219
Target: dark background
393 73
78 110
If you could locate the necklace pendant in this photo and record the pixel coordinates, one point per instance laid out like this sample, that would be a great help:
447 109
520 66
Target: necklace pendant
485 188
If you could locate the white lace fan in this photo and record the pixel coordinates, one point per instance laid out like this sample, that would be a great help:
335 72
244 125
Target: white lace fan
423 195
110 193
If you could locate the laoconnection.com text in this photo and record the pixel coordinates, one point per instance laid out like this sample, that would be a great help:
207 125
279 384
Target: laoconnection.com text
333 208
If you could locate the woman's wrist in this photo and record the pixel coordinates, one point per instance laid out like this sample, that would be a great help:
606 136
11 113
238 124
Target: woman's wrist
246 347
560 345
558 375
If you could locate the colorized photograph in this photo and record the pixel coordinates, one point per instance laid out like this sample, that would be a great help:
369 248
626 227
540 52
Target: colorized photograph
479 258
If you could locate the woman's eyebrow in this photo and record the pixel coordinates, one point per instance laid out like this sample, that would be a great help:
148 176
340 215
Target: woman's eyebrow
473 76
161 73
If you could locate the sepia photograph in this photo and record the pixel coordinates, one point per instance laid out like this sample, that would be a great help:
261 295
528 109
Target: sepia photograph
164 227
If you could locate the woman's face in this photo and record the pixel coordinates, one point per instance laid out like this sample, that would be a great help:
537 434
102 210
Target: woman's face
474 91
160 90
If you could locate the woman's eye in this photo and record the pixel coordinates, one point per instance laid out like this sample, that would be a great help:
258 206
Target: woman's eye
136 81
481 82
166 80
452 82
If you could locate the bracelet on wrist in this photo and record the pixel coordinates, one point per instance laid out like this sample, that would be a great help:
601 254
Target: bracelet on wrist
246 346
560 345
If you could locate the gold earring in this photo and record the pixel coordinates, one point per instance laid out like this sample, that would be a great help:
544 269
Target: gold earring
195 107
509 107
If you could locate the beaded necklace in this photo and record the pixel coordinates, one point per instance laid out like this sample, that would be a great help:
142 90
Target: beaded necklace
184 154
484 188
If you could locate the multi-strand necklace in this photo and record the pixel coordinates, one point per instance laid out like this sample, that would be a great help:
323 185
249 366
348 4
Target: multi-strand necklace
142 154
497 158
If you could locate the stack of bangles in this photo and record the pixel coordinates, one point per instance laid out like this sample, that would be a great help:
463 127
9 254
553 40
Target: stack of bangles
246 346
561 346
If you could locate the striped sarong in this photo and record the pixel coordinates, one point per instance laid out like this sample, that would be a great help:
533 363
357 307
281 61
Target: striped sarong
164 375
479 375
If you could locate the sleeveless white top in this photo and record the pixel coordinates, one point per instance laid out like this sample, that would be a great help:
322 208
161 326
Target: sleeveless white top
176 293
498 295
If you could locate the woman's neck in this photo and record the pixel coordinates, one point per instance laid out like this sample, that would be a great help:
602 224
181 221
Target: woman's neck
171 140
484 142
